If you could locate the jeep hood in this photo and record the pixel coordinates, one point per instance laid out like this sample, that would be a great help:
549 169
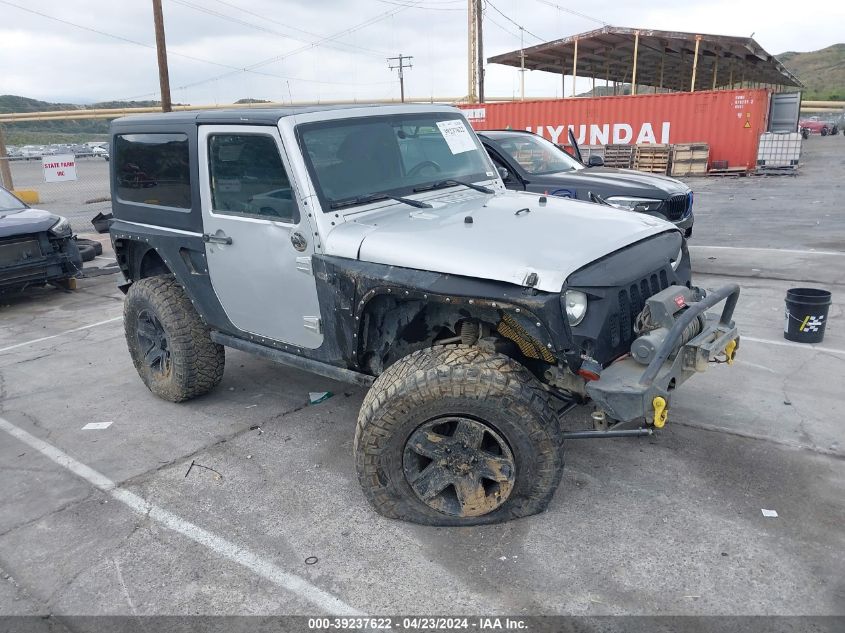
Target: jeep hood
22 221
511 235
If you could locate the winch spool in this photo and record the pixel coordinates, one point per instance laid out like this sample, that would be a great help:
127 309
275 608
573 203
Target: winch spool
645 347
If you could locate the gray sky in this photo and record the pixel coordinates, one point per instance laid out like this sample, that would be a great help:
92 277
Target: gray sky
332 49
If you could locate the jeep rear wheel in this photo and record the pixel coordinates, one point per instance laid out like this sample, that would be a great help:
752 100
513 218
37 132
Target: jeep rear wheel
458 436
170 346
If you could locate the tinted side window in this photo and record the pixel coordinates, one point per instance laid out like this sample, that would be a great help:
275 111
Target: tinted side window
153 169
248 177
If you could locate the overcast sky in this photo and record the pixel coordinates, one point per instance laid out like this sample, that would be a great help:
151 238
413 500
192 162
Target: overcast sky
333 49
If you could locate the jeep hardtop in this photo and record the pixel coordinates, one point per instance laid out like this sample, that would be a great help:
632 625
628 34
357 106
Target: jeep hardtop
378 245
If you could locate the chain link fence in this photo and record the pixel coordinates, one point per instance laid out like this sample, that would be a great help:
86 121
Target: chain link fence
78 200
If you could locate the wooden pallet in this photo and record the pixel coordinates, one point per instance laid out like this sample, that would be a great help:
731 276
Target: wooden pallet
652 158
689 159
730 171
619 156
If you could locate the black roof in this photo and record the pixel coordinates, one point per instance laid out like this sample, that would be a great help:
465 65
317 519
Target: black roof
256 116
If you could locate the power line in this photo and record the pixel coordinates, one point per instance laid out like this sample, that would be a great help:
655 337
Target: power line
258 27
516 24
572 12
234 69
490 19
252 68
294 28
412 5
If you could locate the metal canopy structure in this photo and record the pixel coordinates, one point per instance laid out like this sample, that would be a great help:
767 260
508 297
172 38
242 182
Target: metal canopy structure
664 60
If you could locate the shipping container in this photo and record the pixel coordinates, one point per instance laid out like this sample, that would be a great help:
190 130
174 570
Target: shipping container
729 121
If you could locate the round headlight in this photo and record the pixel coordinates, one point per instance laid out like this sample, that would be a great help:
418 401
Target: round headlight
575 303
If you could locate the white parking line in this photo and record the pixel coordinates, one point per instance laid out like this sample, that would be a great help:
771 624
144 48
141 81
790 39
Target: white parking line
818 348
227 549
52 336
772 250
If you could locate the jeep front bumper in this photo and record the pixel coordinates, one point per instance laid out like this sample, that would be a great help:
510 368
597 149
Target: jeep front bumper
628 391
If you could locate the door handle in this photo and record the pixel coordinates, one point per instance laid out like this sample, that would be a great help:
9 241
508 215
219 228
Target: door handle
216 239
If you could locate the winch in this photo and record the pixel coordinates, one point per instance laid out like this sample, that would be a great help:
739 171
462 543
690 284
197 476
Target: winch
657 318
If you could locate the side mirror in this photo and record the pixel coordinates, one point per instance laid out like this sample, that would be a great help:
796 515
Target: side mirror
595 161
504 174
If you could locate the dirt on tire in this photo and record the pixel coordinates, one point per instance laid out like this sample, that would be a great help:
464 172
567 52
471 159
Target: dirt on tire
465 381
196 363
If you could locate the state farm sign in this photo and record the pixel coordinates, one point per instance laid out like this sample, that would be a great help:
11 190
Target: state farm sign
59 168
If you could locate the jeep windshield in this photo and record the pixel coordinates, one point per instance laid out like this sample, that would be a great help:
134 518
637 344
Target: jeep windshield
362 160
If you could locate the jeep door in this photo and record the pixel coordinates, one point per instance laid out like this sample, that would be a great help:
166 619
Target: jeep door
258 244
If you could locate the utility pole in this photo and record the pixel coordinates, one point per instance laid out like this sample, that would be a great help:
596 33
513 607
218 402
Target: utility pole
522 64
161 49
400 63
479 35
472 52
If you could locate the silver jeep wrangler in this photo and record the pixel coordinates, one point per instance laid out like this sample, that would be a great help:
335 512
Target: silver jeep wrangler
378 245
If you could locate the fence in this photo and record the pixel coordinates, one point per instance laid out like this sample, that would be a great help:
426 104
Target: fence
78 200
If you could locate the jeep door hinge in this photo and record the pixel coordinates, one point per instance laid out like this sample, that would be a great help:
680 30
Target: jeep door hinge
303 265
315 324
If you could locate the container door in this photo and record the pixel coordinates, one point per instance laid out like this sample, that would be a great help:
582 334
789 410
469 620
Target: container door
783 111
258 243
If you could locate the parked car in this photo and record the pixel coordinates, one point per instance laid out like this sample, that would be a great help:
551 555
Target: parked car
377 245
532 163
36 246
816 125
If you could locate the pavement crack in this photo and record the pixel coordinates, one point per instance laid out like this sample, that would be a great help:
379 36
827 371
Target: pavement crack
141 477
65 506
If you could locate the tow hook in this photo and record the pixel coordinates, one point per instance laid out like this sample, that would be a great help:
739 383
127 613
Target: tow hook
661 413
730 352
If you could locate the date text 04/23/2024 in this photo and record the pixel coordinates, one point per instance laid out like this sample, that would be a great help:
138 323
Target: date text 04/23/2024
418 623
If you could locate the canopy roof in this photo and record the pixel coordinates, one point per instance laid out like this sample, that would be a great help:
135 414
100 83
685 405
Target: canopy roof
664 59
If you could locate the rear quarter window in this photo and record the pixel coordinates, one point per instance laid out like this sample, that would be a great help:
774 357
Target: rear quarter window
153 169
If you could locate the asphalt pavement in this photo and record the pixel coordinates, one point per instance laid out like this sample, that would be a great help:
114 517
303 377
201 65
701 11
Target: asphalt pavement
213 506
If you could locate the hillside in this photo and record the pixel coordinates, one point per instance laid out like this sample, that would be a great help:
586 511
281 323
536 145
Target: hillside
822 71
70 131
43 132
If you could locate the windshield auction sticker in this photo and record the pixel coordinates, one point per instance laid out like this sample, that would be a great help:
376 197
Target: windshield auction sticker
456 135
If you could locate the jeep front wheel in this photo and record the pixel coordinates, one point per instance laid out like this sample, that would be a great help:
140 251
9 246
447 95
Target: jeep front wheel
458 436
170 346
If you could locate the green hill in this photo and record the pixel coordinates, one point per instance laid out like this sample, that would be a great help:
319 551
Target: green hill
69 131
822 72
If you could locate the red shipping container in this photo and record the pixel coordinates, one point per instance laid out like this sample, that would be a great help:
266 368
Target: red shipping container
730 121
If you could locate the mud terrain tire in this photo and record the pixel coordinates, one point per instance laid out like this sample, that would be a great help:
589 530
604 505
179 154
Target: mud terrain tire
170 345
445 393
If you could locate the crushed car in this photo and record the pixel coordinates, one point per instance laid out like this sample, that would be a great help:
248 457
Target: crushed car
379 246
529 162
36 247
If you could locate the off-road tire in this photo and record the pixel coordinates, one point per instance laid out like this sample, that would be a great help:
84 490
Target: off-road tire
461 381
196 362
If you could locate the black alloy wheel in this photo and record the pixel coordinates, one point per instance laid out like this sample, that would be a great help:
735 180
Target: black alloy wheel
152 341
459 466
